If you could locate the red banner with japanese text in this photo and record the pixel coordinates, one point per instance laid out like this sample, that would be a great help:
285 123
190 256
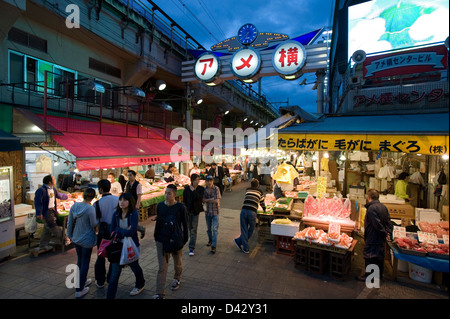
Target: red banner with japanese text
422 60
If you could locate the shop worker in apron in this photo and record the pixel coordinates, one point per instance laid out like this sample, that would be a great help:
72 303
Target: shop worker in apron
46 211
135 189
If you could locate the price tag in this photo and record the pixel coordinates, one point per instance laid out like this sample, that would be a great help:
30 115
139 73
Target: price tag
445 238
334 228
427 238
399 232
321 186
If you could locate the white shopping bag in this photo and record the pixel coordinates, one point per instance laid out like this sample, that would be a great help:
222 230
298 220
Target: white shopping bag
30 223
130 252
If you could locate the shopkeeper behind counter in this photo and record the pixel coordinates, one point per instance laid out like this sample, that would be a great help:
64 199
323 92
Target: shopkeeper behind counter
401 186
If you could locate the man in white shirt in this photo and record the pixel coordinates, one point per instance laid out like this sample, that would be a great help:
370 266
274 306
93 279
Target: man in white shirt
116 188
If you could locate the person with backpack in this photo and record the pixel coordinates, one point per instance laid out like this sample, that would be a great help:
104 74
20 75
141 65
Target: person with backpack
80 229
124 224
104 209
193 200
171 234
212 199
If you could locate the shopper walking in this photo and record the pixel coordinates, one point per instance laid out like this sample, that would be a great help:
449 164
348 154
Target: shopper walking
80 229
124 224
253 198
45 206
193 200
105 208
164 211
377 229
212 199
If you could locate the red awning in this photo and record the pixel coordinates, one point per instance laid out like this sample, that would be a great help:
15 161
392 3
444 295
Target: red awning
116 146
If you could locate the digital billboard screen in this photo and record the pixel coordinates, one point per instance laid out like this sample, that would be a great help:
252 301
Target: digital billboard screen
383 25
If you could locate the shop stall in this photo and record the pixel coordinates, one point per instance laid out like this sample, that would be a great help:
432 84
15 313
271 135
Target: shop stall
348 157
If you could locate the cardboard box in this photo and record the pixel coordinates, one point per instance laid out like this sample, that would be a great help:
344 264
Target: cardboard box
401 210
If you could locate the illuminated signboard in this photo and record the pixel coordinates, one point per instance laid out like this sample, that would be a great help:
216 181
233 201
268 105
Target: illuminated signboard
245 63
380 25
207 67
289 58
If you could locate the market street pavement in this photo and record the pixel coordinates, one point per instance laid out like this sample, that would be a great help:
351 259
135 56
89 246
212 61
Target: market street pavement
228 274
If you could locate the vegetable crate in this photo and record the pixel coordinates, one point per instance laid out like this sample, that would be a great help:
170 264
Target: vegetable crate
340 265
285 245
301 257
317 261
143 214
264 233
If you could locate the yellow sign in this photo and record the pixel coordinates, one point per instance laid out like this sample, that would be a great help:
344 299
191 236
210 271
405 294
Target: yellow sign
321 186
419 144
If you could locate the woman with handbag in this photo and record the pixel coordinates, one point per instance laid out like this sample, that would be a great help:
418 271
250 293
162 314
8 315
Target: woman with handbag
124 224
80 229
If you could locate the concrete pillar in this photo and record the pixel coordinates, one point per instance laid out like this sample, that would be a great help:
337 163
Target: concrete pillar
320 78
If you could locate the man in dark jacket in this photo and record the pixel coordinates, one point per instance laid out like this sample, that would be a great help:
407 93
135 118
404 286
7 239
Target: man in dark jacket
193 200
46 211
377 229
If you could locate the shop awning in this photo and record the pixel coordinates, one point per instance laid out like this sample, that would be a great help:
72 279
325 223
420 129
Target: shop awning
115 146
260 136
409 133
9 142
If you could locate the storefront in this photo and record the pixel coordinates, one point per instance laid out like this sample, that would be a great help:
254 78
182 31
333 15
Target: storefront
349 155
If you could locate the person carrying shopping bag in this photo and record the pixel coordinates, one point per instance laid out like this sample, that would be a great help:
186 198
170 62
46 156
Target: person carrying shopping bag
80 229
124 224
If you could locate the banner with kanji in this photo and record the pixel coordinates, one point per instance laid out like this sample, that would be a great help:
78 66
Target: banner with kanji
418 144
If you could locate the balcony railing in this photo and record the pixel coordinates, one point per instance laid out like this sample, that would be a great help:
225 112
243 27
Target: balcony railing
74 98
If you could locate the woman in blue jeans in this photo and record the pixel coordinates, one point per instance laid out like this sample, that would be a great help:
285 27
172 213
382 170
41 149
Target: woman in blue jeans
124 224
80 229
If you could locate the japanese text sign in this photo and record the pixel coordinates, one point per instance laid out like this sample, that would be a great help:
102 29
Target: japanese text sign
427 238
321 186
407 62
289 57
207 67
429 144
399 232
245 63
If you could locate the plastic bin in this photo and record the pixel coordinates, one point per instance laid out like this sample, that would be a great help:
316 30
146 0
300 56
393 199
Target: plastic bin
419 273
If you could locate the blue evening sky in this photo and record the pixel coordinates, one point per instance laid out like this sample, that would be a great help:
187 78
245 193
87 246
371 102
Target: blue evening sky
211 21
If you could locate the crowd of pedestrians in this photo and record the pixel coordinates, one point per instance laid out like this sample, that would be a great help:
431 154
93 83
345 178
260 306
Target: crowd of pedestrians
115 216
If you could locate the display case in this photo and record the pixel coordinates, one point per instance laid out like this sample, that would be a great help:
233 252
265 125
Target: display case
7 227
